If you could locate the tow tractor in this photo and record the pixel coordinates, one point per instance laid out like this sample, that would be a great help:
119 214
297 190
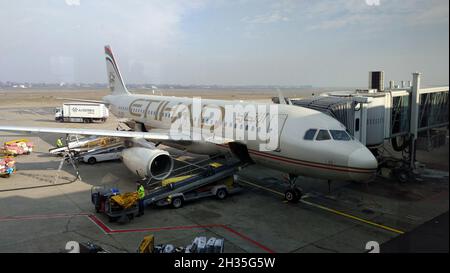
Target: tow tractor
215 179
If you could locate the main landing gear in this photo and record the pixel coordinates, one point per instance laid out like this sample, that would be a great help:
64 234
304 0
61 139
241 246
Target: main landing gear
293 194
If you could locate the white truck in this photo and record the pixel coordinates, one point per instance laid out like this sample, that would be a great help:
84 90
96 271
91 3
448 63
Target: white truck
82 112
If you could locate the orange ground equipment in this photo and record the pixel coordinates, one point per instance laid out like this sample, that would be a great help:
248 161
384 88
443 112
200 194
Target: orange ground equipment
18 147
7 166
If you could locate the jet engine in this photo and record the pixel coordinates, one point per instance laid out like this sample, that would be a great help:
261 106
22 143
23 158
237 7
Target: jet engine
144 162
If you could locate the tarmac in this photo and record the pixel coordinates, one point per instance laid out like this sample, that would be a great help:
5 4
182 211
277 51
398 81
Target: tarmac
429 237
43 207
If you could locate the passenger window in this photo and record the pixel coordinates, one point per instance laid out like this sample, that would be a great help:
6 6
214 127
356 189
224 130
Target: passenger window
323 135
309 135
357 125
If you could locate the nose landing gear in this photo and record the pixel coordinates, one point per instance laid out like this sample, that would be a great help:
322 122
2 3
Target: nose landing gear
294 193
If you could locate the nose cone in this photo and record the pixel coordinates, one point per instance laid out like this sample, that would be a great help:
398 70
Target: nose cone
362 158
363 165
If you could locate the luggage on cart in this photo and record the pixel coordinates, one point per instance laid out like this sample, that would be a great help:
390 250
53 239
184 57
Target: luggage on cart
126 200
99 195
201 245
18 147
7 166
118 207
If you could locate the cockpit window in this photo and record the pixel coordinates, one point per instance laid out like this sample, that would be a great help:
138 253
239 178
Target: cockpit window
309 135
340 135
323 135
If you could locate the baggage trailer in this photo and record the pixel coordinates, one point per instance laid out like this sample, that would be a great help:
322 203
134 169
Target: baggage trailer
82 112
7 173
118 207
6 152
200 244
17 147
215 180
7 166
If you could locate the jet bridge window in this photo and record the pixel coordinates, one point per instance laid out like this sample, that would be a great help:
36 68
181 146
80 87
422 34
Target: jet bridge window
309 135
357 125
323 135
340 135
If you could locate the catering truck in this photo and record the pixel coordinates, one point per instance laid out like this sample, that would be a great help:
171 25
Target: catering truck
82 112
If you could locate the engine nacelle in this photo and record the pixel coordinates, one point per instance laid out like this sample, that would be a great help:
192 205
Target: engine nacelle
144 162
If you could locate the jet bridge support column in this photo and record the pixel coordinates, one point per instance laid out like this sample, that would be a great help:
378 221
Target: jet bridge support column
414 120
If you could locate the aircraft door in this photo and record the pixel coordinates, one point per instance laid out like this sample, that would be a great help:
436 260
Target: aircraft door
276 126
357 123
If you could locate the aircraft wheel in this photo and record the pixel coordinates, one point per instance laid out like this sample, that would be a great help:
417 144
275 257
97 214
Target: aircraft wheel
291 196
177 202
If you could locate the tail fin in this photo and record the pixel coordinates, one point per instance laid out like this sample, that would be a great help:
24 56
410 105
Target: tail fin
115 80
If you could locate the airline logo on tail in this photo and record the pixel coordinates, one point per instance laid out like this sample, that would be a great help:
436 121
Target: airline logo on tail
116 84
111 81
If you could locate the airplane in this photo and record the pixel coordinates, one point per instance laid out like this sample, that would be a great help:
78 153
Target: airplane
306 142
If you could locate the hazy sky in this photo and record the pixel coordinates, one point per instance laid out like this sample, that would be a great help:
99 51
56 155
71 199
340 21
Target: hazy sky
241 42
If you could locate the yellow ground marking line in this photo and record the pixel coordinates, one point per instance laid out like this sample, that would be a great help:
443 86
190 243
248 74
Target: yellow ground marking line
261 187
330 210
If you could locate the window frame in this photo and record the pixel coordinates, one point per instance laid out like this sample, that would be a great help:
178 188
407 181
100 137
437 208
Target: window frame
346 133
313 137
325 130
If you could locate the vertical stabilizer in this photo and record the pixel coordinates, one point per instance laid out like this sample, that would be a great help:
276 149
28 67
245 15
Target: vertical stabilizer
116 84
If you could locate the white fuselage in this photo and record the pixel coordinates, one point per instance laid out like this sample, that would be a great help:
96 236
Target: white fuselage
326 159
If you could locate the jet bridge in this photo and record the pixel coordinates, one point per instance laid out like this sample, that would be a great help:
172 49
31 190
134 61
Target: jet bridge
411 117
341 108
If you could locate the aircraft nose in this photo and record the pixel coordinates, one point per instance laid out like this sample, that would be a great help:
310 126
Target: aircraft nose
364 163
362 158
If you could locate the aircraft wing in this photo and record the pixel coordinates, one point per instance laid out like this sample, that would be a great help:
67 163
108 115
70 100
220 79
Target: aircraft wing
158 135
